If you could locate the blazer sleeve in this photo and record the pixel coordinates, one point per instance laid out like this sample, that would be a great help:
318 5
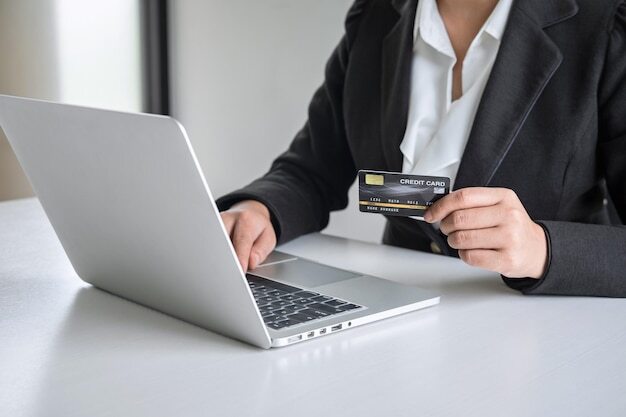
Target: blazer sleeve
313 176
589 259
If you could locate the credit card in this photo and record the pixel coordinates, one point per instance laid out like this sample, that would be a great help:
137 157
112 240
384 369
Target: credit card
397 194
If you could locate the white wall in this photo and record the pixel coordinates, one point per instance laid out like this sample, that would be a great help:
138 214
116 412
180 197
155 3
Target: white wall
99 53
73 51
243 73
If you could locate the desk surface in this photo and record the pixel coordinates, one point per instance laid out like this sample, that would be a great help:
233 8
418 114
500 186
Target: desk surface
67 349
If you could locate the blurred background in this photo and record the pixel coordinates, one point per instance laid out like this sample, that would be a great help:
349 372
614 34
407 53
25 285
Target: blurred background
237 73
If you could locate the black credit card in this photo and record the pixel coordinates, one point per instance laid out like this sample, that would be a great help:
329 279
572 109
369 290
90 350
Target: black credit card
397 194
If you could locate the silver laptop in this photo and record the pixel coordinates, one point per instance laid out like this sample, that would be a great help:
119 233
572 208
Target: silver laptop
130 205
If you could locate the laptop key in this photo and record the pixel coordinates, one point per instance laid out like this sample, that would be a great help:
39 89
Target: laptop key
319 313
274 326
302 302
306 294
285 323
321 298
270 318
280 303
335 303
289 297
276 293
268 299
313 313
302 317
292 308
323 307
347 307
290 322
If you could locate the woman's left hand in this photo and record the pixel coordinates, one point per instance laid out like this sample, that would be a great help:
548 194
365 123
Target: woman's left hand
492 230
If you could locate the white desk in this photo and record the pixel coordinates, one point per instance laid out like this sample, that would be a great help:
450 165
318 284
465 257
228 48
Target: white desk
70 350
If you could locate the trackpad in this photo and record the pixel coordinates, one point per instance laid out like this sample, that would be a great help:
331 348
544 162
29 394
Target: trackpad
300 272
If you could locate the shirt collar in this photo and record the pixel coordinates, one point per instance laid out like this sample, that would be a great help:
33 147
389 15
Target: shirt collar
430 27
429 24
496 23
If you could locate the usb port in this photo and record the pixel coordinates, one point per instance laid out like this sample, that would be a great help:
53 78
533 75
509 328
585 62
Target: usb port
335 328
310 335
323 331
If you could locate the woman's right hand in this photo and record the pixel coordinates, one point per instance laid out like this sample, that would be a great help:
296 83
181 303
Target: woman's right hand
250 229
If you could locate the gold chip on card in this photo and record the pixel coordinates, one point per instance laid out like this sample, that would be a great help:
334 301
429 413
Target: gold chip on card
372 179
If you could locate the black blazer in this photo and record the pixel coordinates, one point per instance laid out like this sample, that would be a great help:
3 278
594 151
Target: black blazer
551 126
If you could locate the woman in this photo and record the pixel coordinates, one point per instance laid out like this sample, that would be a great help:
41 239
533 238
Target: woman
522 103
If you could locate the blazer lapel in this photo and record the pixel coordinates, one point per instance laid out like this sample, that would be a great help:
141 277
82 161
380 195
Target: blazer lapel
397 57
526 62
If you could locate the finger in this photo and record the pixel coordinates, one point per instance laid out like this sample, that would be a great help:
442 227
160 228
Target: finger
491 238
481 258
262 247
463 199
229 221
474 218
243 238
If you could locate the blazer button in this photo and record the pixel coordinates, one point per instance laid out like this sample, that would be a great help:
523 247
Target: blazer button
434 248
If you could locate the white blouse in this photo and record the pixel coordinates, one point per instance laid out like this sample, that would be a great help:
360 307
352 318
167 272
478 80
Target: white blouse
437 127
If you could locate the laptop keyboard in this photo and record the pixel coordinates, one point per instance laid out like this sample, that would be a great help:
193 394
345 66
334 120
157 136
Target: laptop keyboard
283 305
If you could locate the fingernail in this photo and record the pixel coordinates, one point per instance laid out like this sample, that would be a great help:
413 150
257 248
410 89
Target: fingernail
428 217
255 261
